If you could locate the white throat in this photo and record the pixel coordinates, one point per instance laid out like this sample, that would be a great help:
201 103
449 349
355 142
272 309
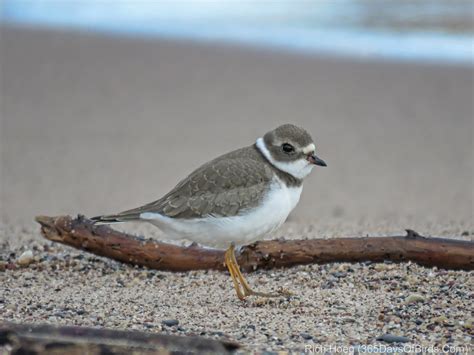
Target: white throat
299 168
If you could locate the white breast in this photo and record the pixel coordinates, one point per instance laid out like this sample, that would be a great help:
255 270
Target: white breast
241 229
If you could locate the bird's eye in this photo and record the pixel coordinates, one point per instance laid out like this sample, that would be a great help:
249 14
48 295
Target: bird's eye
287 148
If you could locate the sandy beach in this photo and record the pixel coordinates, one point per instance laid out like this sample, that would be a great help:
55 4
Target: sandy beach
95 124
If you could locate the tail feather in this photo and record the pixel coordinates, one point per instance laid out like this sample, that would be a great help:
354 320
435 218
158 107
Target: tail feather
116 218
104 219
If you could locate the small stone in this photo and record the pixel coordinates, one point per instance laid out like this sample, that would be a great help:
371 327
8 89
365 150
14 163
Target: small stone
28 275
26 258
343 267
11 266
440 320
170 322
3 265
414 298
306 336
390 338
468 324
327 285
380 267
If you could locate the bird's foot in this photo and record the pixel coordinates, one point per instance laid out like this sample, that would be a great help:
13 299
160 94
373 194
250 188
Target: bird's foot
241 285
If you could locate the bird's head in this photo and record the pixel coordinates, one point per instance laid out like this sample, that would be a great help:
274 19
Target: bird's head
291 149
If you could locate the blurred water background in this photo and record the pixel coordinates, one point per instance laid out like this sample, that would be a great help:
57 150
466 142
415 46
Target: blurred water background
426 30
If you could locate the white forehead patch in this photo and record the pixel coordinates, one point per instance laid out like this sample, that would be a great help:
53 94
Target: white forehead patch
309 148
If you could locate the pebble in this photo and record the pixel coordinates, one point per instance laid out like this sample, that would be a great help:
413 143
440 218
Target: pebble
170 322
381 267
348 320
28 275
414 298
26 258
440 320
390 338
326 309
3 265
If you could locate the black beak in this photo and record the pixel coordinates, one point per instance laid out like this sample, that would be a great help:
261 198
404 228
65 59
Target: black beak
313 159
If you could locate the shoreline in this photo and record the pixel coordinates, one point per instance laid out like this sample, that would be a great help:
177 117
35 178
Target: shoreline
241 46
360 40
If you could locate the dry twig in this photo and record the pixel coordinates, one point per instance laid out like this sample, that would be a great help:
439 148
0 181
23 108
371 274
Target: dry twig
102 240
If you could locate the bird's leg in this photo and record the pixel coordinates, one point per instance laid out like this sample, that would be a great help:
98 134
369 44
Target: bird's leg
233 274
231 262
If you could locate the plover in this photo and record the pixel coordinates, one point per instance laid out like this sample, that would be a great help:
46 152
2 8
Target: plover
235 199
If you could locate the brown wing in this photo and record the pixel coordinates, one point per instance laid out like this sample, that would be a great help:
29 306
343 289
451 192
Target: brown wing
222 187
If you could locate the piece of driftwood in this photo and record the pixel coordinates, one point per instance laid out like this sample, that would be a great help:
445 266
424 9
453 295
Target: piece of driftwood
49 339
102 240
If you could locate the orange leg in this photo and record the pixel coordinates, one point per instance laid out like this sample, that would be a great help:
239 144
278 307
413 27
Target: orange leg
241 285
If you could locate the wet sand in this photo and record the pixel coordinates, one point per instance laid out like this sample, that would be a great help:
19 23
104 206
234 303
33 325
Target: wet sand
96 124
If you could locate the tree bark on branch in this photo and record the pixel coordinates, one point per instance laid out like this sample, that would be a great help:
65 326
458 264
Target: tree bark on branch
102 240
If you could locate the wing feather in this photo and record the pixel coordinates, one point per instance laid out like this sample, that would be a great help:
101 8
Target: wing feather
222 187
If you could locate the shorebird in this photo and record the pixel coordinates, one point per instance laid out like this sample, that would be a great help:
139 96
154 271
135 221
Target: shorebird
237 198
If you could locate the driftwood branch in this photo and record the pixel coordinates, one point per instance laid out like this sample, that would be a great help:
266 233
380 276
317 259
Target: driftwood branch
49 339
102 240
